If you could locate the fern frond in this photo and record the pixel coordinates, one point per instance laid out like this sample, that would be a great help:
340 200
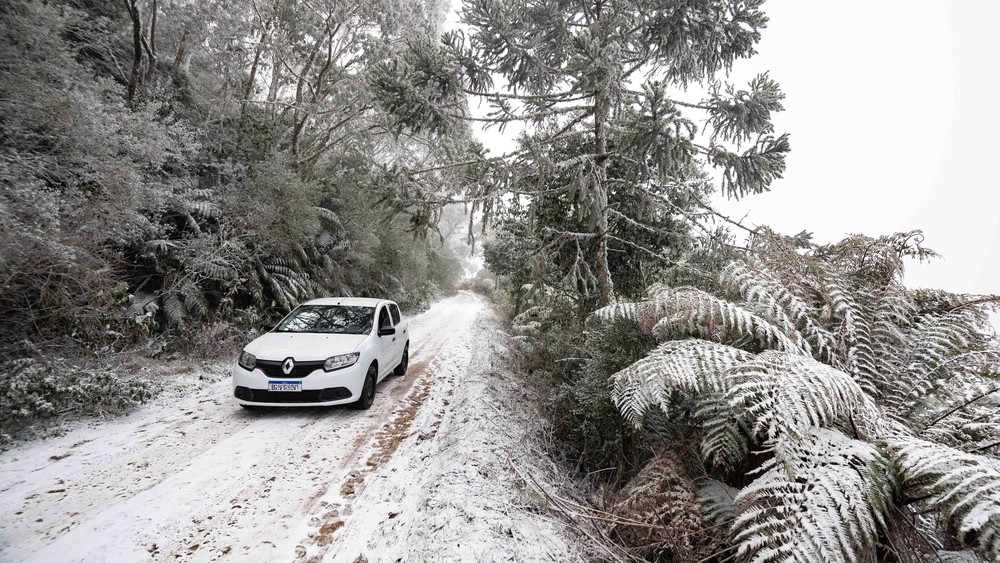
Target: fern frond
194 299
693 366
718 502
725 440
689 312
935 301
205 209
173 306
954 557
820 500
939 347
776 300
615 311
786 395
328 217
888 311
964 487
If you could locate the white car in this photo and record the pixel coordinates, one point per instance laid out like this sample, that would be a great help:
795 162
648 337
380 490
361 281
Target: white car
330 351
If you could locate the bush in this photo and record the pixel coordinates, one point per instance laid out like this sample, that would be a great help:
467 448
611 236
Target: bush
576 369
587 419
659 512
32 390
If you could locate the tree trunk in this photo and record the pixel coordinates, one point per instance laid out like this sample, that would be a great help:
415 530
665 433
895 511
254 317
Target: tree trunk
272 91
151 68
254 65
133 81
605 285
181 54
600 194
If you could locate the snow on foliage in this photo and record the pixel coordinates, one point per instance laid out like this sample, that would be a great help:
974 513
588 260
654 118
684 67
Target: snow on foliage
819 500
819 360
965 487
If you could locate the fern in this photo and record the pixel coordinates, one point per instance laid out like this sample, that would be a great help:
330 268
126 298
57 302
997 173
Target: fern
787 395
195 303
965 487
779 302
693 366
173 306
672 313
328 217
936 341
726 432
615 311
718 502
954 557
659 510
819 501
819 346
888 311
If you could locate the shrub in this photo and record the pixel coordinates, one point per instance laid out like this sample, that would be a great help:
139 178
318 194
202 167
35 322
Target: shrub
32 390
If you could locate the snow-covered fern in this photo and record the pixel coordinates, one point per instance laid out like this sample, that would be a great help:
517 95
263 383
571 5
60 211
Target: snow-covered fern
673 313
820 500
781 302
965 487
693 366
820 356
786 395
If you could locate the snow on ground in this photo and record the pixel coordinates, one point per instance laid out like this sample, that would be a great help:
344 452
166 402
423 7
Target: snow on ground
451 491
429 473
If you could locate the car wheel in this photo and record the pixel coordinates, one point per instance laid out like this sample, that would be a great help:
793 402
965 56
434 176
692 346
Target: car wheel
404 362
368 391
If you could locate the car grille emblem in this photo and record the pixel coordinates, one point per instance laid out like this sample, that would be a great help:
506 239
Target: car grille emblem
288 366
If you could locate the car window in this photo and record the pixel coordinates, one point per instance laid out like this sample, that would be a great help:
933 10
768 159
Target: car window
395 313
383 317
328 319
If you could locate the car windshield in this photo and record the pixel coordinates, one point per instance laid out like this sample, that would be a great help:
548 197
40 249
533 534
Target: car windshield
329 319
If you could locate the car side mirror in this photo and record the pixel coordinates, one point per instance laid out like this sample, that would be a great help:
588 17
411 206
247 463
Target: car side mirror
386 331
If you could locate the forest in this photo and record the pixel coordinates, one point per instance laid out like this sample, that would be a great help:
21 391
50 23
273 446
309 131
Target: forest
179 173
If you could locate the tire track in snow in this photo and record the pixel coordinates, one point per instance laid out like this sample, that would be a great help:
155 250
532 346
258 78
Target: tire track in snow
198 479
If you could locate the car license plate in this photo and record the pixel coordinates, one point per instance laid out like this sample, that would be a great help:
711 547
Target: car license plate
284 385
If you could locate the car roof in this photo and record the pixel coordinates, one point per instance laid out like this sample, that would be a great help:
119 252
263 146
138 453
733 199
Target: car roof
349 301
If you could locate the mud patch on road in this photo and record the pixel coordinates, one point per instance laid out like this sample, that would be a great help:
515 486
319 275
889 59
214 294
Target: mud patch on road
387 439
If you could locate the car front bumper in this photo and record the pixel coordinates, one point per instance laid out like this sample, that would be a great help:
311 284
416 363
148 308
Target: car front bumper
319 388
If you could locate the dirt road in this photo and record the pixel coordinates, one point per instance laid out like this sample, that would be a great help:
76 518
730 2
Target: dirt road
199 479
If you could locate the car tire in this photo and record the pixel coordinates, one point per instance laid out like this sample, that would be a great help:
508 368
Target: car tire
404 362
367 397
250 407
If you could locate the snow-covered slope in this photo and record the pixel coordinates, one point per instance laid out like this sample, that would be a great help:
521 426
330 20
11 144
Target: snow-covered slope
427 474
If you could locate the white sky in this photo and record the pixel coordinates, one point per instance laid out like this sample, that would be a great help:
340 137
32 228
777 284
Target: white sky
893 116
894 120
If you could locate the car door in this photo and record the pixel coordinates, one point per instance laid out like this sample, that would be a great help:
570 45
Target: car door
402 335
386 344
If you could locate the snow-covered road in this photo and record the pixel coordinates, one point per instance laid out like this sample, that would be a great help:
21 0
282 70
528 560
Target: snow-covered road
199 479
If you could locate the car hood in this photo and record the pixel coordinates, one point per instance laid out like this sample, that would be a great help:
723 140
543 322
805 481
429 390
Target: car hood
303 346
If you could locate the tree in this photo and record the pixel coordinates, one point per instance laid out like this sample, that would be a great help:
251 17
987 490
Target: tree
570 69
847 406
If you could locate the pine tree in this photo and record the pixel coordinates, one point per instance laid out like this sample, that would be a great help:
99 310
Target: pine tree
570 69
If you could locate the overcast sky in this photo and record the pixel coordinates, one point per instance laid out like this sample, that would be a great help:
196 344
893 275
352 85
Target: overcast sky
894 116
894 120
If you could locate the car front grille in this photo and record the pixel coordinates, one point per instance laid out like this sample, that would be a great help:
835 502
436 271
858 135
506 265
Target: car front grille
272 368
307 396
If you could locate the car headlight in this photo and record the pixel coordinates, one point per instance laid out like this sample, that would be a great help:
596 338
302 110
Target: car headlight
341 361
247 361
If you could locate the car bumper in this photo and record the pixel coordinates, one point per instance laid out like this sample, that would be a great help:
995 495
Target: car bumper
319 388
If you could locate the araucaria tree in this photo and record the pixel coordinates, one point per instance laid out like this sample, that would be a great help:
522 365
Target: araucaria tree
614 74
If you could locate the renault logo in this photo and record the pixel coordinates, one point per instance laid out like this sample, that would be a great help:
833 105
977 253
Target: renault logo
288 366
